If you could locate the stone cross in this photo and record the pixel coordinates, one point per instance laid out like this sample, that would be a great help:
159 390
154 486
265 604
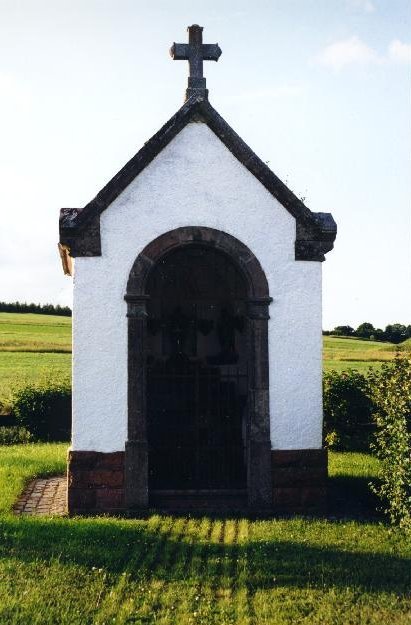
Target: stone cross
195 52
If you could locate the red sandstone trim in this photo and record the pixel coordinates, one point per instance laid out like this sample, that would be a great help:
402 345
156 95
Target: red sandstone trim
299 479
95 482
299 482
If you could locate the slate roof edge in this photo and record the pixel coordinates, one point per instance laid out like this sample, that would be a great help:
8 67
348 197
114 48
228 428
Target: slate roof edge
311 227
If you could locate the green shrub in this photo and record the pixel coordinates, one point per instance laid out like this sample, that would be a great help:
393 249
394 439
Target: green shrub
391 391
348 422
44 410
14 435
5 407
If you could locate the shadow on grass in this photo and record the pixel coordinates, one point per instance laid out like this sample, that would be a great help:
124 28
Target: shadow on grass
350 497
148 551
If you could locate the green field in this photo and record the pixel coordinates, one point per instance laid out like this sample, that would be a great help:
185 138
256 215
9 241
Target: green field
178 570
32 346
341 353
34 333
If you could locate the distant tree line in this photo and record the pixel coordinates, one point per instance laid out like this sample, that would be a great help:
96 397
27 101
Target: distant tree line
393 333
44 309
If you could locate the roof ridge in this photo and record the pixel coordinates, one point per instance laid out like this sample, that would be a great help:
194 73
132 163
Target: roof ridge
315 231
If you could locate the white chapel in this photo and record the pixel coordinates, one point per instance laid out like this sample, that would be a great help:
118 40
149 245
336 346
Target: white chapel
197 330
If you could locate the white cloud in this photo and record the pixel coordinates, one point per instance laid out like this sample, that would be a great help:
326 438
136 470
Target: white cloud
399 52
350 51
368 6
362 5
353 51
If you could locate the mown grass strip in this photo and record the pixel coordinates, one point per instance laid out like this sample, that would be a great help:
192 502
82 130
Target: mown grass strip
190 607
129 587
168 572
242 604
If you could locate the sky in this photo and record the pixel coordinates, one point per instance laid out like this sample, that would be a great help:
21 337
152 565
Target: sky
319 89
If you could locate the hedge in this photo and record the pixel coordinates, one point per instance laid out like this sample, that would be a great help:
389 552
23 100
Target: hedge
44 410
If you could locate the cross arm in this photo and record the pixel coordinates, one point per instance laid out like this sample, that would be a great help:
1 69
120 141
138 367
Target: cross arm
210 51
180 51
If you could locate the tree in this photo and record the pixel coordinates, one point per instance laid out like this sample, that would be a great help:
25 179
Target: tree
391 394
379 335
365 330
396 333
343 331
45 309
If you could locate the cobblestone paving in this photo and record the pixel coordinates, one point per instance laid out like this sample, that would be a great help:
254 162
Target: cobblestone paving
44 496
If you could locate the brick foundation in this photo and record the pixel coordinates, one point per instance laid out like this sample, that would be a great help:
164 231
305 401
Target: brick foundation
95 482
299 479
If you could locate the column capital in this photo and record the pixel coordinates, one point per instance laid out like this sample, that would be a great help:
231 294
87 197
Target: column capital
257 307
136 305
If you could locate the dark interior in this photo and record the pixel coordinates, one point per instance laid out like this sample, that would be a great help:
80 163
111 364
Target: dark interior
197 374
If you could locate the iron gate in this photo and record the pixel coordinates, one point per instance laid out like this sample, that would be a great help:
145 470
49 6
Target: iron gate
196 426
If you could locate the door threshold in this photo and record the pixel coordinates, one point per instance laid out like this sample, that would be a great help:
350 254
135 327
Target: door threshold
199 499
198 491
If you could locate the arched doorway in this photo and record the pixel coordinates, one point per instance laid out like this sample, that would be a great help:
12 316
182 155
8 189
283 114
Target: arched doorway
197 375
198 396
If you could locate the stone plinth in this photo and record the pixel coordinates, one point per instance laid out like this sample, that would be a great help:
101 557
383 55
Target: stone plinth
95 482
299 479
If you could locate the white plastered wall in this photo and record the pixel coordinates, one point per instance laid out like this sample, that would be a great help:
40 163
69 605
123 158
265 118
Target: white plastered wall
195 181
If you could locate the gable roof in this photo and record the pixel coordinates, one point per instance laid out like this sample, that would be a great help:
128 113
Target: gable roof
80 227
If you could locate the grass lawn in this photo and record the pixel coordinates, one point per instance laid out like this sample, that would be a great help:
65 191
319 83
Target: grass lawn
340 365
31 345
181 570
20 368
27 332
341 353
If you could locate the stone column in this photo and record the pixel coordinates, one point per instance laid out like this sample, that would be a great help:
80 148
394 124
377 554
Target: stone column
259 443
136 456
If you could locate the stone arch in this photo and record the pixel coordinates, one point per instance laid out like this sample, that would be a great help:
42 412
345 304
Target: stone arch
259 486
